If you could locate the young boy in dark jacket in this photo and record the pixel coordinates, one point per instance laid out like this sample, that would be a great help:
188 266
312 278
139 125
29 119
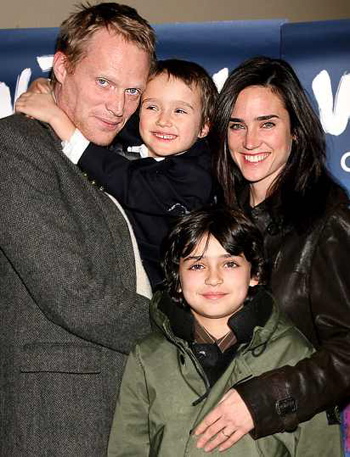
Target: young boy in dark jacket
174 175
213 328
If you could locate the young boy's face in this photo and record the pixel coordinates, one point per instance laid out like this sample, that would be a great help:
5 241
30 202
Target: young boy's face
214 284
170 116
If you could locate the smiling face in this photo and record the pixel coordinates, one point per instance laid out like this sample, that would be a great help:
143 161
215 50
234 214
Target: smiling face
259 138
214 284
102 91
170 116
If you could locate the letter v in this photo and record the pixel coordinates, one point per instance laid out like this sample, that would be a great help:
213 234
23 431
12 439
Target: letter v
5 101
334 118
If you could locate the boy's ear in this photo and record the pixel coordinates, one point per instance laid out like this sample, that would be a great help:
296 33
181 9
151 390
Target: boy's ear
59 66
204 130
254 281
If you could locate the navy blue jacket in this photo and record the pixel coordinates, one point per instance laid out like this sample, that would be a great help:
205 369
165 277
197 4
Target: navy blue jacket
154 194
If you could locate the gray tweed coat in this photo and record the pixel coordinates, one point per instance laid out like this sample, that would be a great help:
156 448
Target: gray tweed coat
69 312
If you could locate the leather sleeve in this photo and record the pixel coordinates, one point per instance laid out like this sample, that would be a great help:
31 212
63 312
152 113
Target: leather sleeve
278 400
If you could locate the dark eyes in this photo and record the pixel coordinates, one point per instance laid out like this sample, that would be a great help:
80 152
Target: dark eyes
264 125
200 266
196 266
155 108
150 107
268 125
235 126
231 264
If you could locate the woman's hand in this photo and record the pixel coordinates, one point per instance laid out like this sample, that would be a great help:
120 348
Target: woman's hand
227 423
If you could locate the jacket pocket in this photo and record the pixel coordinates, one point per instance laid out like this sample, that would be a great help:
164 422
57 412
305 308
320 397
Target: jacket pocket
61 404
60 358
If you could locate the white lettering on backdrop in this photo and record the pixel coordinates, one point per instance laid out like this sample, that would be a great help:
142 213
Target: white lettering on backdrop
334 113
6 105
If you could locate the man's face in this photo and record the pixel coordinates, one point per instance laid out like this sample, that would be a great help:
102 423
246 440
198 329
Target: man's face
103 90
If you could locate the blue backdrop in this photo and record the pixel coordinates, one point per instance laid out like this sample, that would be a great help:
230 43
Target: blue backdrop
319 52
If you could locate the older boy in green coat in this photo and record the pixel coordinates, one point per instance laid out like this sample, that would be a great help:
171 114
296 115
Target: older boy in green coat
214 328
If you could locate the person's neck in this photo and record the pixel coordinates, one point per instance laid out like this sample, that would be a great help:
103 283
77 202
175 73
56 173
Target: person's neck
257 194
217 328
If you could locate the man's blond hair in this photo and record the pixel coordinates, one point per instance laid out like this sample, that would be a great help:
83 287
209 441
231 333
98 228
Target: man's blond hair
76 31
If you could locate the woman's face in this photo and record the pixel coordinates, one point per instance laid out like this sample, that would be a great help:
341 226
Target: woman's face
259 138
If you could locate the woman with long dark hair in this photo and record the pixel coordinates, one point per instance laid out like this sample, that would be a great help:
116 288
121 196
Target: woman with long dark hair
271 161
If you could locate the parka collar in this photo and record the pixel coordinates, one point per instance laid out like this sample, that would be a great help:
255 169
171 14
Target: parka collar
178 323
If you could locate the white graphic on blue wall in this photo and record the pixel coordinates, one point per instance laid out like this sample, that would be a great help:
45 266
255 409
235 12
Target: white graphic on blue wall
334 113
6 104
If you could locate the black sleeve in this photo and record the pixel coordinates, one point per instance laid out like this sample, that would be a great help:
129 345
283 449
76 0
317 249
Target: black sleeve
182 182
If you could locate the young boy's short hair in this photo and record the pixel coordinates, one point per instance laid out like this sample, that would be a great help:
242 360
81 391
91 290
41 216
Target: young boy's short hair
234 231
193 75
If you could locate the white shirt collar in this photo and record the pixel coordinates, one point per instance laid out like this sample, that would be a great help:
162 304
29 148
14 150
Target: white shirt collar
143 151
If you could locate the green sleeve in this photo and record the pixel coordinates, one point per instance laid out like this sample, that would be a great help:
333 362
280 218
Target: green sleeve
129 434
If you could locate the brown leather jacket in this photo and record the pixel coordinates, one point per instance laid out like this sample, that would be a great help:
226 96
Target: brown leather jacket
310 279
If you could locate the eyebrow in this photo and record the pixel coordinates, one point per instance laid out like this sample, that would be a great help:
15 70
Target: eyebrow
200 257
175 102
259 118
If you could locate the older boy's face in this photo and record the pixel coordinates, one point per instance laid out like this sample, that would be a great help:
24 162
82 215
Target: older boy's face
214 284
104 88
170 116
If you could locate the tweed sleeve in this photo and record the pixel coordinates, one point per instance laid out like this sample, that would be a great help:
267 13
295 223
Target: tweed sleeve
66 241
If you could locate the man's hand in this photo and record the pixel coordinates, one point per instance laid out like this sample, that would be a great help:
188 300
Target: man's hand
227 423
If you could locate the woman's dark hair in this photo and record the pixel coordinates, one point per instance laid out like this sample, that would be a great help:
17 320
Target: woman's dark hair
234 231
305 167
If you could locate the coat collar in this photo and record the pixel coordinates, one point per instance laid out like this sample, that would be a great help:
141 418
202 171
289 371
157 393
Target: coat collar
252 325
